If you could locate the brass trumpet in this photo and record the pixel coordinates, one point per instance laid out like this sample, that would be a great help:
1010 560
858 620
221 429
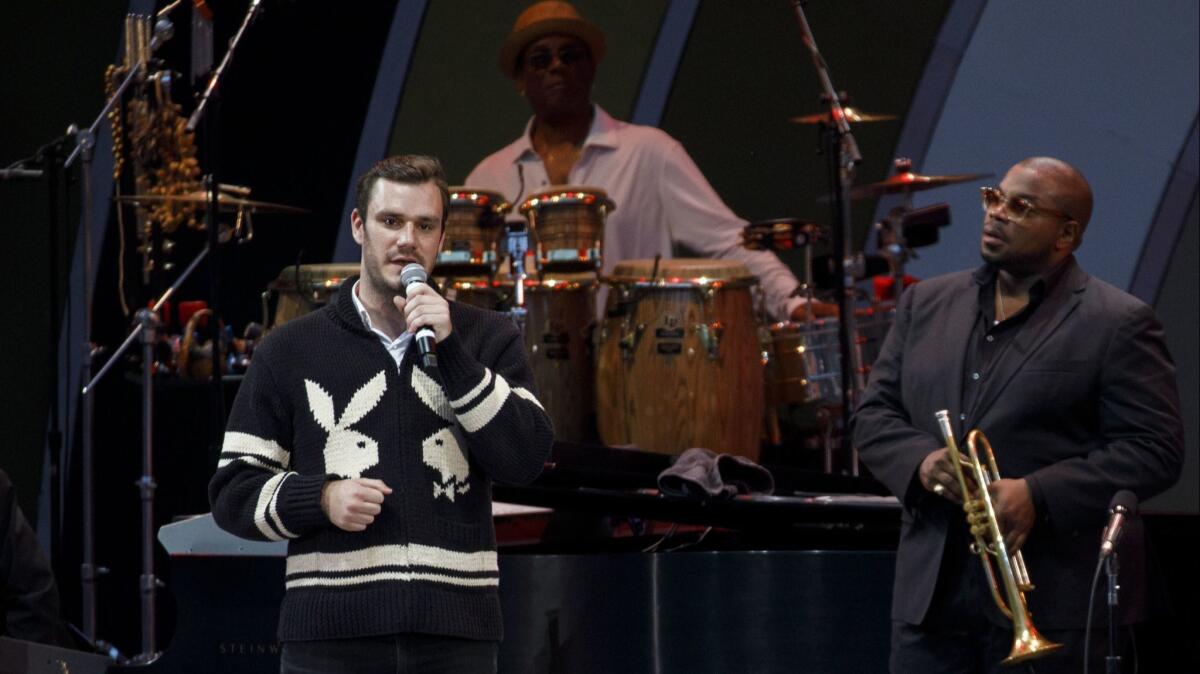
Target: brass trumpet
981 516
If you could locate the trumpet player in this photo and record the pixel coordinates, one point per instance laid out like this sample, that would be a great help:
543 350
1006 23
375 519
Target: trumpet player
1070 379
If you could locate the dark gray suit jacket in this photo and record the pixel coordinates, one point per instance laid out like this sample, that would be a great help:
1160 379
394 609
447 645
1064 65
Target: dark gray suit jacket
1082 403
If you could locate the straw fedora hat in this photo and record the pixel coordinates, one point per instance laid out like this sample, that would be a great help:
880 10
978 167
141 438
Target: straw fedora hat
546 18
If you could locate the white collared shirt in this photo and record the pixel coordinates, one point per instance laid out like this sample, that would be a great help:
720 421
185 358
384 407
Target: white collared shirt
395 347
664 205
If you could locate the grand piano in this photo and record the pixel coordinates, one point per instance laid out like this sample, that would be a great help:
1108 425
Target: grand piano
601 573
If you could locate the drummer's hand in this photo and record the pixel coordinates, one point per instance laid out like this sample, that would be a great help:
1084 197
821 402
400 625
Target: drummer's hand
819 310
425 308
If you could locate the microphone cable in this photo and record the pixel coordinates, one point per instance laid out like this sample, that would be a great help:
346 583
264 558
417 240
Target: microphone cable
1087 626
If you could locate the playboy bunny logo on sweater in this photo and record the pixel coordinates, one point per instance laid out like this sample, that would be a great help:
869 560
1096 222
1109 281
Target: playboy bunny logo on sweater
347 452
442 451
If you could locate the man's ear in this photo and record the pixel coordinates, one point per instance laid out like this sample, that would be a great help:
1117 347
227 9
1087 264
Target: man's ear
356 226
1071 234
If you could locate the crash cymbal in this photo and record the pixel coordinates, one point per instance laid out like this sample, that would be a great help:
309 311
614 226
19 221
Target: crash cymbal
907 181
199 198
853 115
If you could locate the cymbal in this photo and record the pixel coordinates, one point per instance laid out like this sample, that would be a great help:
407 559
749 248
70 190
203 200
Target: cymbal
199 198
853 116
907 181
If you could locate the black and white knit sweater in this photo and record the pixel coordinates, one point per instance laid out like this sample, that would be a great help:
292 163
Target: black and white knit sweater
324 400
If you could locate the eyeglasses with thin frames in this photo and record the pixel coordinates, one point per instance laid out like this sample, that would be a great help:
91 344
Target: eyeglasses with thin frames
1018 208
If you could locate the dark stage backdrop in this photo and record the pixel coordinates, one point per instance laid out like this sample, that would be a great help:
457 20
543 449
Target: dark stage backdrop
293 112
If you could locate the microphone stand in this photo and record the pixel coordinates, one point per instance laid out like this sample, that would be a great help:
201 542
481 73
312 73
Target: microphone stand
210 90
1112 664
843 156
147 328
212 184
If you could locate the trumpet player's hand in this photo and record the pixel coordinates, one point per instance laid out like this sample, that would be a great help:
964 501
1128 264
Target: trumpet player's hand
1014 511
937 474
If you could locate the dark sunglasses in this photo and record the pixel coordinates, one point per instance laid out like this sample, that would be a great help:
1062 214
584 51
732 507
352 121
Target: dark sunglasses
542 59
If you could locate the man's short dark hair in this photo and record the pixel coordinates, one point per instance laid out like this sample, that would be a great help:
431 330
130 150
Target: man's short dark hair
410 169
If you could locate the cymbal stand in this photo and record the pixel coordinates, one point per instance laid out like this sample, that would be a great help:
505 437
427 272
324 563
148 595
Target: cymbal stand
897 251
843 156
85 141
147 328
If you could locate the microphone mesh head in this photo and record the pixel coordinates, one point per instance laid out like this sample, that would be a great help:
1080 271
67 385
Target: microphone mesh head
413 273
1124 499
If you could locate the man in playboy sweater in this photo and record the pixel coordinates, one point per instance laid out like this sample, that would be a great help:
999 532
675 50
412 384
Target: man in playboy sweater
376 468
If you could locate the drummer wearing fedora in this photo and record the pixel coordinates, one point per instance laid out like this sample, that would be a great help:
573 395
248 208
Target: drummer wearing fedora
663 202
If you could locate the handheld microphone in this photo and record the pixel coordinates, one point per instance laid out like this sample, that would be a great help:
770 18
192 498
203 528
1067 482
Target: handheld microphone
1123 504
414 273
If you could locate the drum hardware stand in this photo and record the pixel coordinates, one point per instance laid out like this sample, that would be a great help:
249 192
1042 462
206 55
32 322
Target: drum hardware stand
905 230
518 245
843 156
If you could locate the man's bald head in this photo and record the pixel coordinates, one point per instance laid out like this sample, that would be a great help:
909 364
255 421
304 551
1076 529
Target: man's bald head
1065 187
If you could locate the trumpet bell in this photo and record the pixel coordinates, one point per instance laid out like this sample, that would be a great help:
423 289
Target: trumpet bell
1029 645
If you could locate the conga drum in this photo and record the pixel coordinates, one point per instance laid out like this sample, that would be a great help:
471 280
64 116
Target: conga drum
475 230
559 319
300 289
567 226
679 363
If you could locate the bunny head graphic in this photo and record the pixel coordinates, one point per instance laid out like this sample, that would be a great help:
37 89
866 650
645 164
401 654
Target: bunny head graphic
347 452
442 451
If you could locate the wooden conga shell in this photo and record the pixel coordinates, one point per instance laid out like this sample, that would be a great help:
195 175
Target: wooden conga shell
560 314
667 386
300 289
